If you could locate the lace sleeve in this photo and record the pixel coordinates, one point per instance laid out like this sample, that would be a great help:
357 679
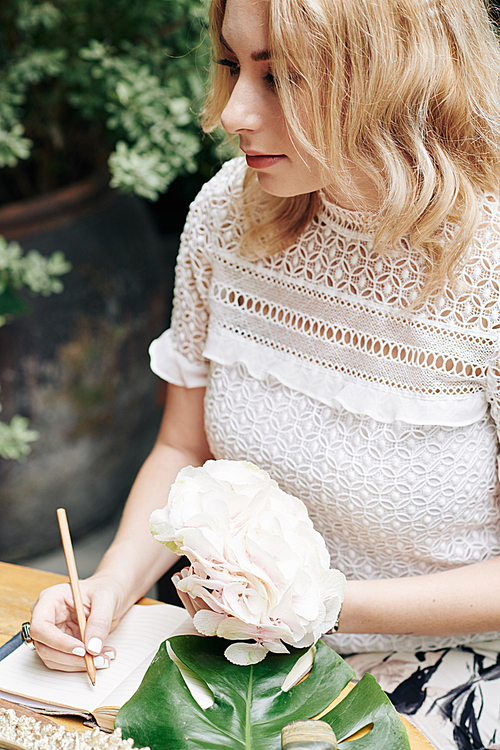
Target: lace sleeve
177 355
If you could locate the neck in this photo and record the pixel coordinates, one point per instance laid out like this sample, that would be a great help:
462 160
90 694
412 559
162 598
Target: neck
363 197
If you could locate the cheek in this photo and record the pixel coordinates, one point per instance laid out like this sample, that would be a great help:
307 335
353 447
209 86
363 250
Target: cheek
299 123
309 168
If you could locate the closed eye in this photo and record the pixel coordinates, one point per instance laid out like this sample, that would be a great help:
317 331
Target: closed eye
234 68
271 80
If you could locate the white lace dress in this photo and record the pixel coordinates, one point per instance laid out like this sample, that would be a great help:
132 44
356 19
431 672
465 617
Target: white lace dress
384 422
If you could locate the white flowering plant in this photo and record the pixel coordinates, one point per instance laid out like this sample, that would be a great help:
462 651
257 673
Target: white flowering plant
258 566
40 275
259 576
98 74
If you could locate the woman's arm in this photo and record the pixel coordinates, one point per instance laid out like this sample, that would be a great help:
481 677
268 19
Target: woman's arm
455 602
134 561
135 558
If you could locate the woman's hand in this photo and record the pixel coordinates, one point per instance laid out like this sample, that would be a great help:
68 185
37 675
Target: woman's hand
191 605
135 561
54 626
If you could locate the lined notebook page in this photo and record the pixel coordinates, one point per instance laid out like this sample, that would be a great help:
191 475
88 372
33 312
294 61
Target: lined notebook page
129 685
138 635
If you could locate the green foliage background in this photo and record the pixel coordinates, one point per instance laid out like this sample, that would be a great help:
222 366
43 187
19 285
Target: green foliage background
83 82
87 85
40 275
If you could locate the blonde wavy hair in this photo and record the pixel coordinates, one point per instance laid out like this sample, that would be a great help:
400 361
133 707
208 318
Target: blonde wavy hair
408 91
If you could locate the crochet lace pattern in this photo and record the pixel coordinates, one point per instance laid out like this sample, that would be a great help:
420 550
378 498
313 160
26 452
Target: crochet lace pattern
323 367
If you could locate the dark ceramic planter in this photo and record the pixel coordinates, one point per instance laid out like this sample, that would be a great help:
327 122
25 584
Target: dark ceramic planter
77 366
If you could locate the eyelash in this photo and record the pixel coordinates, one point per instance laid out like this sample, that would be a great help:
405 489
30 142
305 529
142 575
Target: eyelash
234 69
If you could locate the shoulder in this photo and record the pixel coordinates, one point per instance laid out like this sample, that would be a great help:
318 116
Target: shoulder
220 194
484 253
489 224
478 295
213 218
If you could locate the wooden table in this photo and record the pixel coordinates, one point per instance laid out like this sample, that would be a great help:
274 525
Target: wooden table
19 588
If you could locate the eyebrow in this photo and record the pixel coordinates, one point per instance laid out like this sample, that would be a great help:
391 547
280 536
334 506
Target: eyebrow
262 54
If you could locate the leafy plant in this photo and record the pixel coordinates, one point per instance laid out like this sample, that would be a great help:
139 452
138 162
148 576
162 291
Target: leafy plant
40 275
87 85
250 708
84 80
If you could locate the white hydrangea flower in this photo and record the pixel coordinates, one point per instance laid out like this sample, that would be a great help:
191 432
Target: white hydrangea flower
256 560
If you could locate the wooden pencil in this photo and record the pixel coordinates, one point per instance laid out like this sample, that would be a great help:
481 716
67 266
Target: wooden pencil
75 587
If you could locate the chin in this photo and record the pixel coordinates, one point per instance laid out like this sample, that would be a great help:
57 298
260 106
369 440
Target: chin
279 188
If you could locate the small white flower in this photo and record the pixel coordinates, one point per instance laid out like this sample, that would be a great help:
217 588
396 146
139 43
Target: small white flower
256 560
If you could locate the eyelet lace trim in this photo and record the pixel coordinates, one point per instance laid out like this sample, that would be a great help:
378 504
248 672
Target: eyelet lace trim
331 309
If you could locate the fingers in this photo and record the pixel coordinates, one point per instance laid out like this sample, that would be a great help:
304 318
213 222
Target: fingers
98 627
53 621
55 632
191 605
69 662
186 600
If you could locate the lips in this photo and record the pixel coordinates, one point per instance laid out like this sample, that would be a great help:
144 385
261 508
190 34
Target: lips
263 161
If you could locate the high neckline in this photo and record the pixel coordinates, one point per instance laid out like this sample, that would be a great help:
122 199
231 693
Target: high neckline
355 220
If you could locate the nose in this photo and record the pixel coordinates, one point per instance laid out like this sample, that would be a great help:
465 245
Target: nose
244 110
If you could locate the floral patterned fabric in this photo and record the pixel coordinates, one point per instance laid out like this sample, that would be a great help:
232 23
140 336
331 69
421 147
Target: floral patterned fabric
451 695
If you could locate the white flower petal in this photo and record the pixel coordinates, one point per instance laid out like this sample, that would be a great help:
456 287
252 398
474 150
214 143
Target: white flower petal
245 654
207 622
307 640
333 582
257 561
277 647
300 669
243 602
233 629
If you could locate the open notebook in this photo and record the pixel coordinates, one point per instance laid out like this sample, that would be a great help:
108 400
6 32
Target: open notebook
25 680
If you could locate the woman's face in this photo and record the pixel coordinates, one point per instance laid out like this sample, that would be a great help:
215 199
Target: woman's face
253 112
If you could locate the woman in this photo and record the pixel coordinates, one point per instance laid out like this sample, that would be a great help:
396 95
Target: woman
336 322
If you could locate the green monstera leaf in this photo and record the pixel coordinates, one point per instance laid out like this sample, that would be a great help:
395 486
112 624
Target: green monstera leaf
250 708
